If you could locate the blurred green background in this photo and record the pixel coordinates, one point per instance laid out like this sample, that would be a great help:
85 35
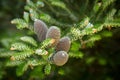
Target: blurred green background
102 61
8 11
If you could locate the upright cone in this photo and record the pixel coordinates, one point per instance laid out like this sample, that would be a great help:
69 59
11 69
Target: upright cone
60 58
40 28
53 33
63 44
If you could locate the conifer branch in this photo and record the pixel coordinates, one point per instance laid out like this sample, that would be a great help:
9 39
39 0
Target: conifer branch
29 40
21 55
83 31
19 46
14 63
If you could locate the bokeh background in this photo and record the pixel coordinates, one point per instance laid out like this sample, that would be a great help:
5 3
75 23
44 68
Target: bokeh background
102 61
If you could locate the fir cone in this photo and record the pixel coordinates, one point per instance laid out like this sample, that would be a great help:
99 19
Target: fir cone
63 44
60 58
40 28
54 34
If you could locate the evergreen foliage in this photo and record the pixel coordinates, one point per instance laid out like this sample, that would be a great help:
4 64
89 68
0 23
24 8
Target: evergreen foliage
83 21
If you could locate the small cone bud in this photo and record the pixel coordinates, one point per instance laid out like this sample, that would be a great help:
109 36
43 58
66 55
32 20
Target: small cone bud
52 41
12 48
94 30
63 44
60 58
12 58
54 34
40 28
